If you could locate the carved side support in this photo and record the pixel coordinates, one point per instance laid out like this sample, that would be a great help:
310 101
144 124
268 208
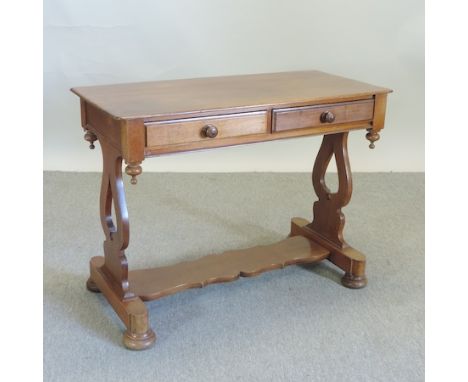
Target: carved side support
328 223
109 274
116 232
328 219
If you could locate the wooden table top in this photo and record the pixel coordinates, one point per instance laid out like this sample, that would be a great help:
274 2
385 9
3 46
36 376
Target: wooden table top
200 95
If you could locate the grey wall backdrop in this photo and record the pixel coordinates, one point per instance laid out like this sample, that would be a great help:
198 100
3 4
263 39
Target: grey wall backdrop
98 42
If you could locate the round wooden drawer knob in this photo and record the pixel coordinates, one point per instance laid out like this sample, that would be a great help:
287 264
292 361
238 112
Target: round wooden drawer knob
327 117
210 131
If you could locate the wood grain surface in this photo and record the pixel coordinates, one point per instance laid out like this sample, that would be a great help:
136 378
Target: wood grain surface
191 129
135 121
310 116
150 284
191 97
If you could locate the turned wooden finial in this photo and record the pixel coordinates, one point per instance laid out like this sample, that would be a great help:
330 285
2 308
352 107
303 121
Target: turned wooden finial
133 170
372 137
91 138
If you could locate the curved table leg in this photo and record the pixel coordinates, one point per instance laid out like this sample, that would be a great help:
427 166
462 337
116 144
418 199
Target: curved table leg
328 223
109 274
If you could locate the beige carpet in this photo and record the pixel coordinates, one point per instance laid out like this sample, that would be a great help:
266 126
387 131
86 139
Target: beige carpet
295 324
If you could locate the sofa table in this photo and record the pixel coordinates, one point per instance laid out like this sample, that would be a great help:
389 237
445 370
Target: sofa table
140 120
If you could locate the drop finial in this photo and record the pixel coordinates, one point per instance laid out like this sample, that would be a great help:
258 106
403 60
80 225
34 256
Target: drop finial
372 137
133 170
91 138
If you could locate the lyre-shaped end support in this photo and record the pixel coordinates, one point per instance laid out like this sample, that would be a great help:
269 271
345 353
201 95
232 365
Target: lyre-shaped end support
91 138
133 170
372 136
328 219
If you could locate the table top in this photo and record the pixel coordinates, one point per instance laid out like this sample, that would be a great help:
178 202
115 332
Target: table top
199 95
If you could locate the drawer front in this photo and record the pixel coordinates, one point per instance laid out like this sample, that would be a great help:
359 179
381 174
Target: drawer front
180 131
322 115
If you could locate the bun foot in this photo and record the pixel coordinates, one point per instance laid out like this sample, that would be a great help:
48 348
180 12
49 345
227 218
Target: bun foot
138 341
354 282
91 286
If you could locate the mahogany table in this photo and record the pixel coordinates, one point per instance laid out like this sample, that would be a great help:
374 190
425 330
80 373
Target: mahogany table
140 120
